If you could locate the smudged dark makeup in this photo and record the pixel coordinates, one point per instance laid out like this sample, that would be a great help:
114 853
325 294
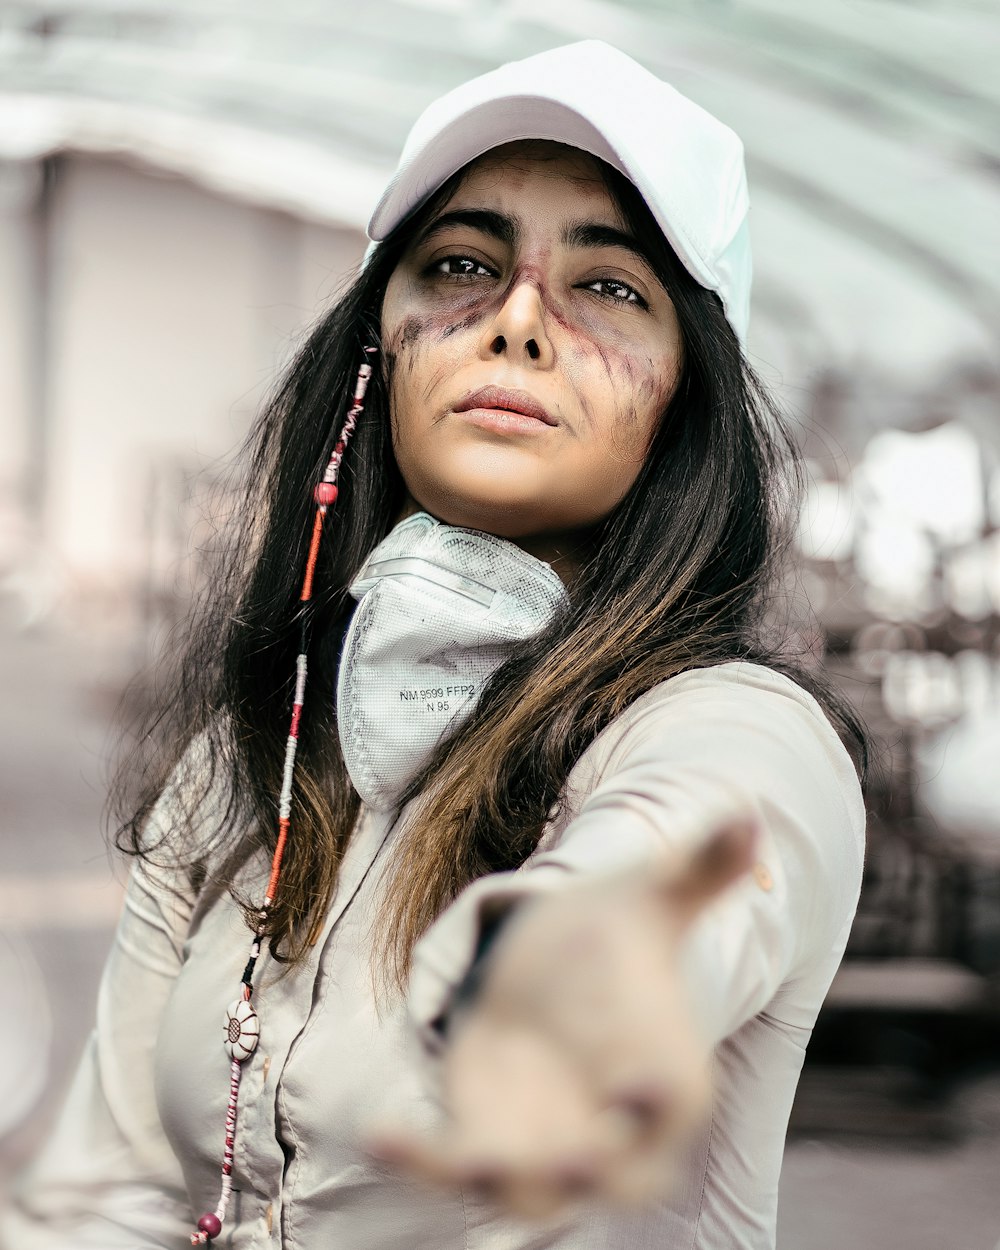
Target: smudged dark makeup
526 279
458 301
454 266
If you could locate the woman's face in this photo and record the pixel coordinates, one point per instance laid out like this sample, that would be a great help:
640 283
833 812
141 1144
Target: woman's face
531 348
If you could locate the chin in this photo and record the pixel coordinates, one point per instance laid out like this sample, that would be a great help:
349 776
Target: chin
493 514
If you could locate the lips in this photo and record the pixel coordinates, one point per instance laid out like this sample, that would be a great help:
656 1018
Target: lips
505 400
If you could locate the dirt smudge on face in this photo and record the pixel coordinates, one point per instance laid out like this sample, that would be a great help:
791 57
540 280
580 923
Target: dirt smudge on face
434 381
463 323
410 331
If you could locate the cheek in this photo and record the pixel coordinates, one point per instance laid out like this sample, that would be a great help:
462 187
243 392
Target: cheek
652 383
632 435
623 380
413 317
623 395
416 363
424 345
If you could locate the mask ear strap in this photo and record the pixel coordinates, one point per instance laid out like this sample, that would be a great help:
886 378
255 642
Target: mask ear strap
242 1026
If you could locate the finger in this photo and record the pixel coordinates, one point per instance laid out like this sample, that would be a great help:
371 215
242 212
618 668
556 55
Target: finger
639 1112
571 1176
647 1112
576 1177
535 1191
523 1189
529 1200
429 1161
644 1130
552 1189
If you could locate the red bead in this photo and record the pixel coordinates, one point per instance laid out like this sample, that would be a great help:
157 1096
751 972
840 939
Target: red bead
210 1225
325 493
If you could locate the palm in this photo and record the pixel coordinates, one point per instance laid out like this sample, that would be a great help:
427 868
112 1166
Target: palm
578 1069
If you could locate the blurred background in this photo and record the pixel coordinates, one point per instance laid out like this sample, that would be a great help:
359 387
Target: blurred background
184 185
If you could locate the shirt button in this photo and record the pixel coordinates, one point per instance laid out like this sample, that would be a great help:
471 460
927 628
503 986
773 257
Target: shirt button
269 1216
267 1065
762 875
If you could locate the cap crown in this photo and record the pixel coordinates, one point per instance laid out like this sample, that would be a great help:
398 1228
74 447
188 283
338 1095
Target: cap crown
687 165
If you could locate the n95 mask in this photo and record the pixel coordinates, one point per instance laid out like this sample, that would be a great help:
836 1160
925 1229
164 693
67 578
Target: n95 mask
439 610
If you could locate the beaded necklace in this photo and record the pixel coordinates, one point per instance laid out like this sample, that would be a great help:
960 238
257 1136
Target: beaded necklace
241 1026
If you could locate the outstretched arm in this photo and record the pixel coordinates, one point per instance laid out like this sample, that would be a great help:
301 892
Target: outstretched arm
578 1064
673 959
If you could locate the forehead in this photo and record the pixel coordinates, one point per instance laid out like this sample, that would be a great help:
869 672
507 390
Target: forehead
562 178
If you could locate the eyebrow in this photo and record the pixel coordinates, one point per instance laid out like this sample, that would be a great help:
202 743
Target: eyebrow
592 234
506 229
497 225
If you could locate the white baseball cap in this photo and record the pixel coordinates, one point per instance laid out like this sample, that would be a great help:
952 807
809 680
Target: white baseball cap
686 164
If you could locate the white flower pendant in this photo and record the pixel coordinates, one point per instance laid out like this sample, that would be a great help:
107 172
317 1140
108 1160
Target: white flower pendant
241 1029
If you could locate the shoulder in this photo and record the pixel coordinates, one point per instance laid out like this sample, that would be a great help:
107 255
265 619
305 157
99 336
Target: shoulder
739 721
751 693
735 737
737 681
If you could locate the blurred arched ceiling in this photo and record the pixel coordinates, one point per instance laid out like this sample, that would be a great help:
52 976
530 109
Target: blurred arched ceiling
872 131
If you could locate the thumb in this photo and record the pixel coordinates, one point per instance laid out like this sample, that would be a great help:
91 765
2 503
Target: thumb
721 859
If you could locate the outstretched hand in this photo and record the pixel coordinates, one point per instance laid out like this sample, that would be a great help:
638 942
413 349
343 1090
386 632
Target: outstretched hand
578 1071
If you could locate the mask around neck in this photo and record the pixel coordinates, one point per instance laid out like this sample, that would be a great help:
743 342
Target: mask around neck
440 608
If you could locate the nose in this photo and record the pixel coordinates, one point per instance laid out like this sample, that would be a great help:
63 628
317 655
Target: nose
518 331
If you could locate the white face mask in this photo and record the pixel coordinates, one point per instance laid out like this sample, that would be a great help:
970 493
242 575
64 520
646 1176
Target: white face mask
439 610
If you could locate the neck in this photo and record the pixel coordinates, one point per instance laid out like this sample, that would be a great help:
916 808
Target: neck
564 552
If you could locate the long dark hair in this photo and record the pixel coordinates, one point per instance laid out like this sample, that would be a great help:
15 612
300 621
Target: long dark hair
676 577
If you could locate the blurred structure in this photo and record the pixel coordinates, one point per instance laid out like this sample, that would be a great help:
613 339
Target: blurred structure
901 563
184 185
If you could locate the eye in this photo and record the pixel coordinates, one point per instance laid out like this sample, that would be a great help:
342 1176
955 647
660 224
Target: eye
461 267
616 291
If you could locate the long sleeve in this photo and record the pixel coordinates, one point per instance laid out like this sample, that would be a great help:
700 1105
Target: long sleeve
107 1177
737 735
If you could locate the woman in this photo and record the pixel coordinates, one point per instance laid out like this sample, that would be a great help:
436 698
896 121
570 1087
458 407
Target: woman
490 888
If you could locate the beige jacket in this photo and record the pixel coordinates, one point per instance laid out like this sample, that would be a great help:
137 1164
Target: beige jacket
135 1157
